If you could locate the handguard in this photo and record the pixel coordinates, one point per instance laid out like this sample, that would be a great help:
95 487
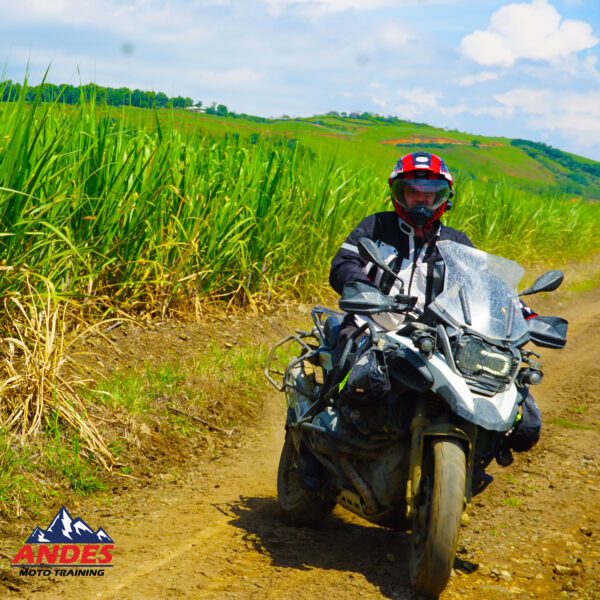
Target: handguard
364 299
548 332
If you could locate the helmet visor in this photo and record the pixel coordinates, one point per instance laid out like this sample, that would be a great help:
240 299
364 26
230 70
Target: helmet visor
416 193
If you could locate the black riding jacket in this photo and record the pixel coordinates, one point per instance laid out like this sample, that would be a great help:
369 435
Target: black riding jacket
417 261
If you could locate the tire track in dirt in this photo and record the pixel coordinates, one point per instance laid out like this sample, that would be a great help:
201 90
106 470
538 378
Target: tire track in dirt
534 533
180 541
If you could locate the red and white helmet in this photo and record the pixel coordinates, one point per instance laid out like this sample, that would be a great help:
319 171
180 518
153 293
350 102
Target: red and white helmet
429 185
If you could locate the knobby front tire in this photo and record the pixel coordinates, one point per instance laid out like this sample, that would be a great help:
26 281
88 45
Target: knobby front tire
435 528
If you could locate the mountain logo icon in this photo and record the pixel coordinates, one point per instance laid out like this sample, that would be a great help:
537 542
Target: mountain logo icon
66 530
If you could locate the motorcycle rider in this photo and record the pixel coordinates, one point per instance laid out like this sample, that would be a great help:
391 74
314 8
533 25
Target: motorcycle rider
421 190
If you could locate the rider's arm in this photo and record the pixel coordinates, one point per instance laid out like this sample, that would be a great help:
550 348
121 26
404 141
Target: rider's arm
347 265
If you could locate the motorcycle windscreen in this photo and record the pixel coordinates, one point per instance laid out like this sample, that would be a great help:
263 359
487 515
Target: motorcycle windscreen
480 292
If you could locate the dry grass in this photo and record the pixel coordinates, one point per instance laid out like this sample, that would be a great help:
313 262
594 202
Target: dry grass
34 385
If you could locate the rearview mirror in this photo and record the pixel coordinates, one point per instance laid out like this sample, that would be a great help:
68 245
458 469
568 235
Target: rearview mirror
545 283
370 251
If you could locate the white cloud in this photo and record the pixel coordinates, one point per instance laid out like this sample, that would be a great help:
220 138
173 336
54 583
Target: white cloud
126 17
407 111
574 115
417 101
453 111
468 80
229 78
381 102
533 31
588 65
532 102
69 12
75 69
318 8
277 7
497 112
395 35
420 98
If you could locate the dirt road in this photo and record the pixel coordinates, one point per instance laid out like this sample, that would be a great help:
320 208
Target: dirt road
214 533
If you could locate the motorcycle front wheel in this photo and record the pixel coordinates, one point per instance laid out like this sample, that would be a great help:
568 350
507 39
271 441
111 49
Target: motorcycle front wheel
436 525
299 506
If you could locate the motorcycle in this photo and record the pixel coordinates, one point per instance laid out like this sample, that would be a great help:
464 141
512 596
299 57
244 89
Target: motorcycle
446 387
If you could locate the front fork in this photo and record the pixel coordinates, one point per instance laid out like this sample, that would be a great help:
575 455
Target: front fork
421 427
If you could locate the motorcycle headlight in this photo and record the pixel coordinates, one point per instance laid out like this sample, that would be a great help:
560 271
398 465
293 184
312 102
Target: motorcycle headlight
484 365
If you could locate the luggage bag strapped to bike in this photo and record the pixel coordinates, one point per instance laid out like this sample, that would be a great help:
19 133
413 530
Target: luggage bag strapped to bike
367 380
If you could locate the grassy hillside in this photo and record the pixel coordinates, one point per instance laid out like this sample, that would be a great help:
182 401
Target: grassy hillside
377 143
364 138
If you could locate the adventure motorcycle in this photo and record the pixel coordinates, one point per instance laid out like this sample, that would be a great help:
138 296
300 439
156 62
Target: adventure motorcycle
401 430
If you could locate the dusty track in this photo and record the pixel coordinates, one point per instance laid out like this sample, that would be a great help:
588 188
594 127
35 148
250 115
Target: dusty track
534 533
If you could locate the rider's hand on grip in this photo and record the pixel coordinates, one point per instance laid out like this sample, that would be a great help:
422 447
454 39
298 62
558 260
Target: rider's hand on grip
402 301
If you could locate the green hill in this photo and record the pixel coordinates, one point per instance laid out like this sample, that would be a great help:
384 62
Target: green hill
365 138
377 142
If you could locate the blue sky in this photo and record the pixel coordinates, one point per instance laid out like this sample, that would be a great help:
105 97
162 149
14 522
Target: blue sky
524 69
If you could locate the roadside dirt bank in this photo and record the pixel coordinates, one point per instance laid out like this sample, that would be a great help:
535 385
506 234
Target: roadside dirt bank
212 530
